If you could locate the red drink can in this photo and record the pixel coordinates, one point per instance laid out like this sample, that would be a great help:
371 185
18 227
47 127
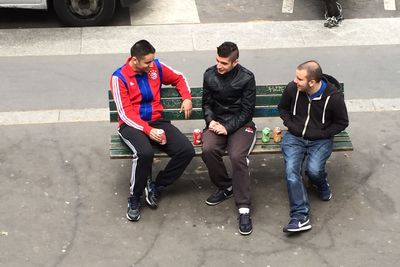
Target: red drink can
196 137
163 136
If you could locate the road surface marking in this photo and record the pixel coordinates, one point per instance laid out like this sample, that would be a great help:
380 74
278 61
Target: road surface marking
287 6
389 4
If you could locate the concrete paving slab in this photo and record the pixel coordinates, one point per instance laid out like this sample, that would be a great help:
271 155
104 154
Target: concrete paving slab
63 203
56 41
164 12
120 39
386 104
199 37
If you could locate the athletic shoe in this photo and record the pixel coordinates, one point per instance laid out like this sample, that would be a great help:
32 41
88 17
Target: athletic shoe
219 196
334 21
152 194
133 212
245 226
324 191
296 225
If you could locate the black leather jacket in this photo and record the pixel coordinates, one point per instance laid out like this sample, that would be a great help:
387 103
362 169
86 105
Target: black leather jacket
229 98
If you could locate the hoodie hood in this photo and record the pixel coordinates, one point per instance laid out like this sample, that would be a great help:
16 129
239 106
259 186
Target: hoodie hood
330 79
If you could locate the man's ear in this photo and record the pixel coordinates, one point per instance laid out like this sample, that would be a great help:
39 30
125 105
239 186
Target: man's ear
311 83
235 62
135 60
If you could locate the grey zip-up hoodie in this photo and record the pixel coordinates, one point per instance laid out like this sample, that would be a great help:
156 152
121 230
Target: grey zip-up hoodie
319 118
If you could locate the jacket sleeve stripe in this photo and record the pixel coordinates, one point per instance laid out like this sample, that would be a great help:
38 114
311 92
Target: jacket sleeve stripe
120 108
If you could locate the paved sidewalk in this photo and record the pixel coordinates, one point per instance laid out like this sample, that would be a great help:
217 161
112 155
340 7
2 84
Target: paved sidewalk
63 203
198 37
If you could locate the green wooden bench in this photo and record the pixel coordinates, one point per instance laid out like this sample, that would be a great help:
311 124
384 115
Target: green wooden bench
268 98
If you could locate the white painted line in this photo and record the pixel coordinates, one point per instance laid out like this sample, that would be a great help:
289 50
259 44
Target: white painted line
102 114
389 4
287 6
152 12
199 37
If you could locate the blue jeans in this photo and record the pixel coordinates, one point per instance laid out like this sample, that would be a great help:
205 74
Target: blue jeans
314 154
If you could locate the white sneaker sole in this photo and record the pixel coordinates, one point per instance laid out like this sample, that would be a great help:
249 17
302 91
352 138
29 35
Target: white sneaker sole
304 228
216 203
146 192
132 220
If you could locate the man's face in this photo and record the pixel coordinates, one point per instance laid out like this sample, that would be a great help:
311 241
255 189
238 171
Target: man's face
301 81
144 64
225 64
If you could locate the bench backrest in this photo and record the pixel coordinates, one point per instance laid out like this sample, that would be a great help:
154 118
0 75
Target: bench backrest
268 97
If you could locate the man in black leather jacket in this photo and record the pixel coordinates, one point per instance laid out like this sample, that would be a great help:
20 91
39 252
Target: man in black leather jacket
229 97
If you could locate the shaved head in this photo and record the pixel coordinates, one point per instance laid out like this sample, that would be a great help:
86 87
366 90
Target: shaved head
313 69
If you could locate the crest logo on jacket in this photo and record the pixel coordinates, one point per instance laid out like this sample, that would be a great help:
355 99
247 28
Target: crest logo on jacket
153 74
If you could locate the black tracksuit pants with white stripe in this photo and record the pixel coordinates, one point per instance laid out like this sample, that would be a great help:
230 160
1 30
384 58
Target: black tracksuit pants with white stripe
178 147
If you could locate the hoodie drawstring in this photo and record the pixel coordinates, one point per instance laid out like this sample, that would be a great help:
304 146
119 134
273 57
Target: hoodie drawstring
323 113
295 103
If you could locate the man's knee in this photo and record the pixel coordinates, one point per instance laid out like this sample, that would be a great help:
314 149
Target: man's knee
188 151
208 149
315 173
146 155
237 158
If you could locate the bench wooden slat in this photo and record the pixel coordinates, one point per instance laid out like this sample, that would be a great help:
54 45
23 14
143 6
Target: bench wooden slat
174 102
170 98
118 149
197 113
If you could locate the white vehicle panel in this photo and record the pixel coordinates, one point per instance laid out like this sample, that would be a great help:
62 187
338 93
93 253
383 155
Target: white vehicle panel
28 4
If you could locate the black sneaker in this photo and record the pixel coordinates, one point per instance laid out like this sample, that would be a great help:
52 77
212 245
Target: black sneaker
152 194
296 225
133 212
245 226
219 196
324 191
334 21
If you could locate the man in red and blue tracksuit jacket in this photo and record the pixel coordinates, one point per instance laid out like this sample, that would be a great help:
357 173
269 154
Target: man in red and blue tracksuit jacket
136 91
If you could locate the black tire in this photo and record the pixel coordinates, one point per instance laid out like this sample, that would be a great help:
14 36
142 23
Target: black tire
69 16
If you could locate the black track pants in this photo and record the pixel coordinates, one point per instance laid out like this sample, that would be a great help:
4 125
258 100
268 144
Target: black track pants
178 147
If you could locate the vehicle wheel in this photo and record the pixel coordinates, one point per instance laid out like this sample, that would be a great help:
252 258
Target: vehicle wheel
84 12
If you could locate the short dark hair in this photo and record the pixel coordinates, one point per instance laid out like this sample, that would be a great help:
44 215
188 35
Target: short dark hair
228 49
314 71
142 48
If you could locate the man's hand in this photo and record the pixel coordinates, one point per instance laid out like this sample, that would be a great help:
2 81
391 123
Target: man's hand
217 128
187 108
154 135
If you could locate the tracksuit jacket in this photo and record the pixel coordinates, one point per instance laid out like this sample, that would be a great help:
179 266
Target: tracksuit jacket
314 118
137 96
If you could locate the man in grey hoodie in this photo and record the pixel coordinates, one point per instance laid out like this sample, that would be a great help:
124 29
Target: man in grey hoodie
313 109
